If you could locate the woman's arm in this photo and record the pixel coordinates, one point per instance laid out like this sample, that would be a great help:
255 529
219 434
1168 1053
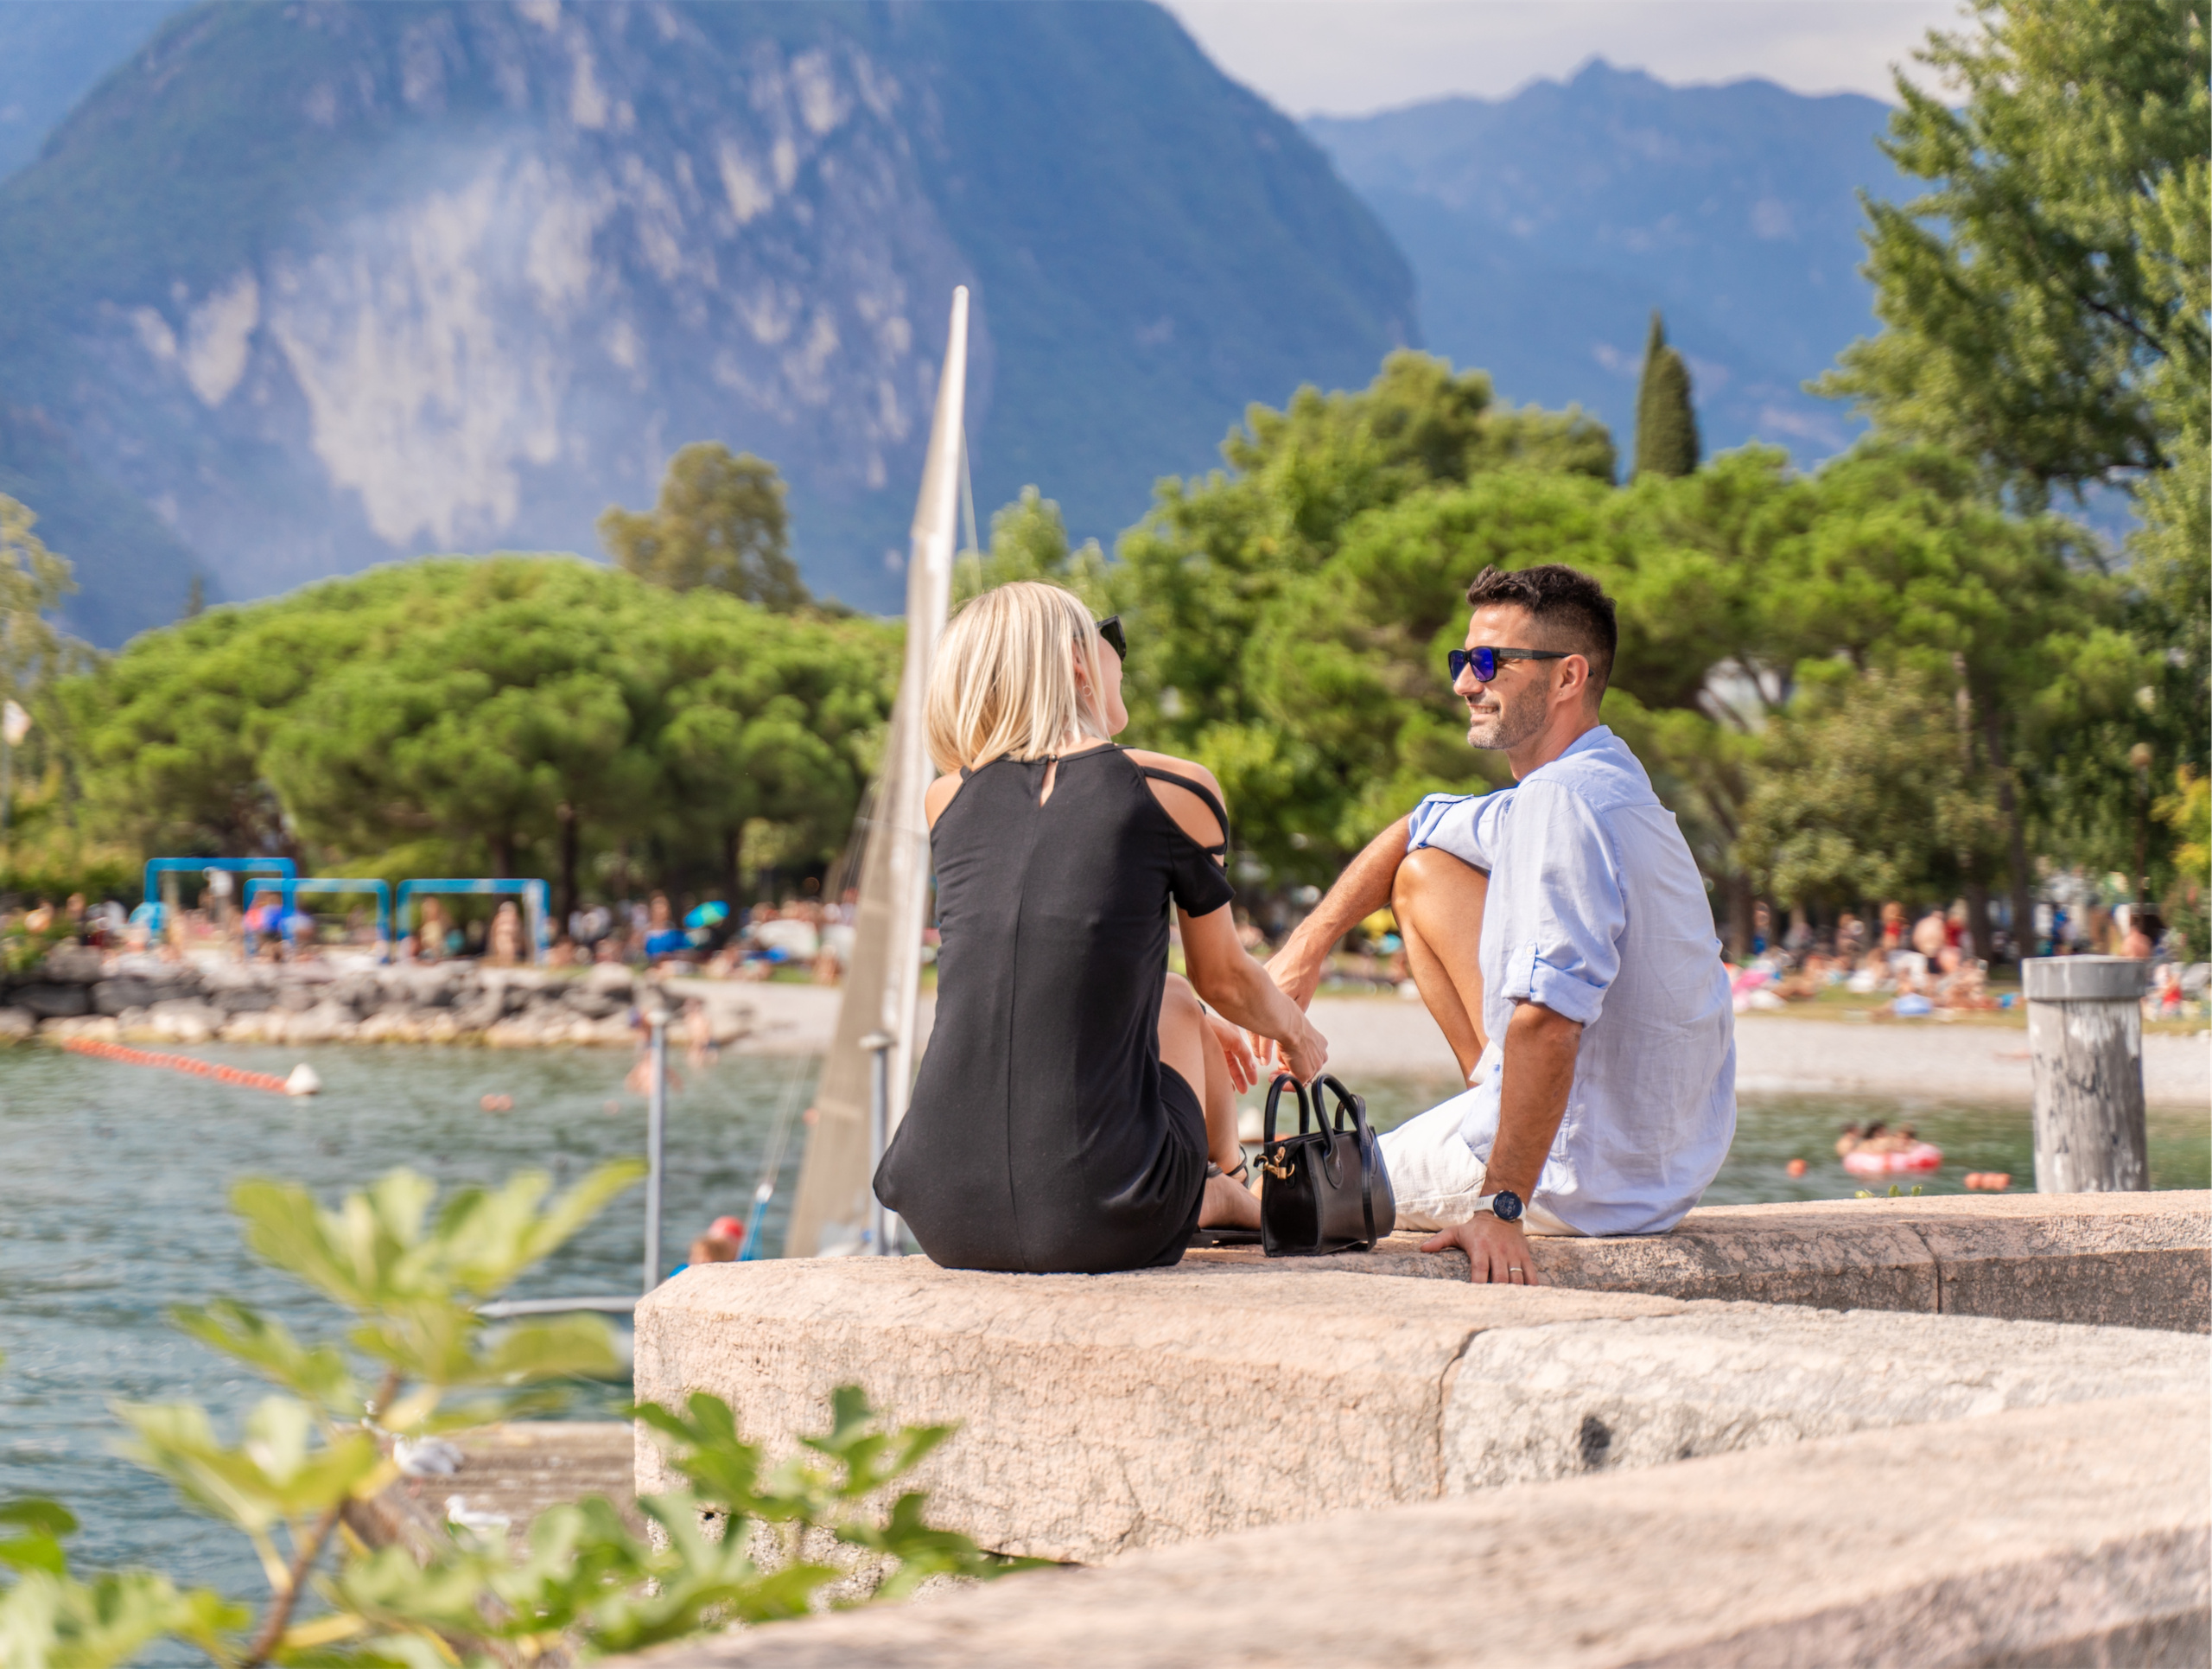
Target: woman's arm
1223 972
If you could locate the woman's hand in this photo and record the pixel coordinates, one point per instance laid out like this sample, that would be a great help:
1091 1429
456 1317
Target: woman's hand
1236 1049
1227 977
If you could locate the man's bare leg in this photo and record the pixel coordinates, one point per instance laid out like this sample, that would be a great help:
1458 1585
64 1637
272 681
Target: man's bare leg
1438 902
1187 1044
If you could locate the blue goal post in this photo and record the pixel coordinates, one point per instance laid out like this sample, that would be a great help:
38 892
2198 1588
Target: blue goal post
286 871
332 885
536 897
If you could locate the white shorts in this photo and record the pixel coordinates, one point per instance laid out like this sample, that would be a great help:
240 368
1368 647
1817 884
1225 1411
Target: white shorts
1437 1179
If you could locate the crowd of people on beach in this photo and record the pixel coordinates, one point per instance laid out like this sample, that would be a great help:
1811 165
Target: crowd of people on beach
801 934
1922 965
1931 964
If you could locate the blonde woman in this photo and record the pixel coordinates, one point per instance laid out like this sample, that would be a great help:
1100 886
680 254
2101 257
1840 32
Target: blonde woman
1056 1122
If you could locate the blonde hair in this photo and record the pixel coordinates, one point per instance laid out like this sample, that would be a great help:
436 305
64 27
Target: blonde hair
1003 685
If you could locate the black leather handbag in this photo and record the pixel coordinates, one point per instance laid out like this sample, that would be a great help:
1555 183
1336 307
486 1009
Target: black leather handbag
1326 1189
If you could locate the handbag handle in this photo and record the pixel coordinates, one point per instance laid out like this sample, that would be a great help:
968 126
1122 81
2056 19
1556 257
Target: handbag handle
1347 1098
1305 1106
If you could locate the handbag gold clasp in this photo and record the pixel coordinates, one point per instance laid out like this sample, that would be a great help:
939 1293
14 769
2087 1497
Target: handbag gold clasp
1281 1172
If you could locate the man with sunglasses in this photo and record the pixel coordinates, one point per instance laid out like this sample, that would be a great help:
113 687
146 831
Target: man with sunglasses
1561 937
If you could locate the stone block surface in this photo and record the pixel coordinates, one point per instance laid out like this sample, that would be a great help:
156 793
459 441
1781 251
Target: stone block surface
1098 1415
2075 1536
2101 1259
2123 1259
1530 1403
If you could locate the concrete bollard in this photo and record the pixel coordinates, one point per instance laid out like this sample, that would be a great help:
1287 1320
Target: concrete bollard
2085 1041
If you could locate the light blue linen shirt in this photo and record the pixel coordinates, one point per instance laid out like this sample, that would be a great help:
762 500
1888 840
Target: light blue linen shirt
1596 910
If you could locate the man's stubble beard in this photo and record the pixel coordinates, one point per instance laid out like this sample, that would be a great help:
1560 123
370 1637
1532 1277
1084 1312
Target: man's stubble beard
1516 721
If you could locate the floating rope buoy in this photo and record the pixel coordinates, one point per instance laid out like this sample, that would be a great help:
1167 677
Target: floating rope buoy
238 1075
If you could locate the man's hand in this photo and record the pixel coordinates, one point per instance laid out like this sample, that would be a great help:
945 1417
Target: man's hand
1497 1251
1296 972
1297 975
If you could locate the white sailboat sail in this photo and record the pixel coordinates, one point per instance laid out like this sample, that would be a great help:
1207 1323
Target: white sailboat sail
884 978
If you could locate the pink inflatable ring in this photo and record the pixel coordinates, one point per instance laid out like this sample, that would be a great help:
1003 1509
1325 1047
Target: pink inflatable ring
1920 1155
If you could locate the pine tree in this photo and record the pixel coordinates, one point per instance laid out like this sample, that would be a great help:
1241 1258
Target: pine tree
1666 420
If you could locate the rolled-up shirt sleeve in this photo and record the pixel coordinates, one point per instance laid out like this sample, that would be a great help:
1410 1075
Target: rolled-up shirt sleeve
1452 823
1562 926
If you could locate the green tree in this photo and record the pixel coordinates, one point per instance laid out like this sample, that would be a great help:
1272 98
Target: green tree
1873 787
720 522
2046 308
1029 540
1197 577
33 581
2044 303
1666 417
509 715
1909 567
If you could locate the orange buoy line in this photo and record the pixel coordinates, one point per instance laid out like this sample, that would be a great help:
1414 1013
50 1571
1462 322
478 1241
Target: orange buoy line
238 1075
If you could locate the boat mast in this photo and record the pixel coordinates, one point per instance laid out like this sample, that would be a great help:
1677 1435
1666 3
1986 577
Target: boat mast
883 983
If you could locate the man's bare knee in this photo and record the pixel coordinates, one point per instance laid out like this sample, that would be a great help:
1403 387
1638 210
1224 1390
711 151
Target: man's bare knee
1428 879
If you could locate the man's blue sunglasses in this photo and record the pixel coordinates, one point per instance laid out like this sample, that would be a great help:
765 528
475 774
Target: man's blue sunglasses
1483 660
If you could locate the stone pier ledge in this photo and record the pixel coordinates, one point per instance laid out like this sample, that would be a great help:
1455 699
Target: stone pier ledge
2101 1259
1103 1414
2054 1537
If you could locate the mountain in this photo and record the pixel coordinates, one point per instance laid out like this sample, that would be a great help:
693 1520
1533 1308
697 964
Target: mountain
301 287
52 52
1543 229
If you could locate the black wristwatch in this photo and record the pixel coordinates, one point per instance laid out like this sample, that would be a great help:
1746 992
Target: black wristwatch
1504 1204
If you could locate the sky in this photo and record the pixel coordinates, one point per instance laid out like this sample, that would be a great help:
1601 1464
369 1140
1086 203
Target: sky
1353 57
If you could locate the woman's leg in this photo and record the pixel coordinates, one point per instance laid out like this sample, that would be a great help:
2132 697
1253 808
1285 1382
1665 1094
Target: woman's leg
1438 902
1187 1044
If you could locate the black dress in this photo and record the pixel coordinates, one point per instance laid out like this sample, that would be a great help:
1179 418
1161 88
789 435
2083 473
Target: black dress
1044 1133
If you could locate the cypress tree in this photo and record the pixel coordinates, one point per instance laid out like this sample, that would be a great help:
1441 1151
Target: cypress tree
1665 421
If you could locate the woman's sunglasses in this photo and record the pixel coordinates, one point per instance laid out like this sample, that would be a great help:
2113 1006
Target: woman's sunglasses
1111 629
1483 661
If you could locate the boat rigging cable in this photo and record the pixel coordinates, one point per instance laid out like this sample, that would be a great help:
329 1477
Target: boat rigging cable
771 1167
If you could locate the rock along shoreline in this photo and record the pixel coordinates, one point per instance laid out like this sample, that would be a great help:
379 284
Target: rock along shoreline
77 992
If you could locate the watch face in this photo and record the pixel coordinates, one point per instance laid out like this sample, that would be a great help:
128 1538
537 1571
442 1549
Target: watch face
1507 1204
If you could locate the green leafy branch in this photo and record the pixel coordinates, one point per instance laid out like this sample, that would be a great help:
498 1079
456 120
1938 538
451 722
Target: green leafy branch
351 1580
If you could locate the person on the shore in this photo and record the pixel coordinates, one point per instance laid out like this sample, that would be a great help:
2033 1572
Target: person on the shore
1930 935
504 946
428 942
1074 1091
664 938
1560 935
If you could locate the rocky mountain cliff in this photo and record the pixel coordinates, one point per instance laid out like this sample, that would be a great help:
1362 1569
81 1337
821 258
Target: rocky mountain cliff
52 52
1543 229
305 285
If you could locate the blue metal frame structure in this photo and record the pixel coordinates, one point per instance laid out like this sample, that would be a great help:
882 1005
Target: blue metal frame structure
537 898
336 885
287 872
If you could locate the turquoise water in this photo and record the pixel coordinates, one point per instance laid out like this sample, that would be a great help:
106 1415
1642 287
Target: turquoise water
113 1178
113 1182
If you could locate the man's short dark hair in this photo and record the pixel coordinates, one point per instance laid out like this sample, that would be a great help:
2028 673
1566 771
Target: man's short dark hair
1571 608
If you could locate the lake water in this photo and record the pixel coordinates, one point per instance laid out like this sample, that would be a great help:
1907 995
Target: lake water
113 1180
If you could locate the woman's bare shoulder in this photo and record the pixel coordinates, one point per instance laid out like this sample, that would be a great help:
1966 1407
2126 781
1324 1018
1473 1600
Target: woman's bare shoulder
939 795
1182 768
1191 814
